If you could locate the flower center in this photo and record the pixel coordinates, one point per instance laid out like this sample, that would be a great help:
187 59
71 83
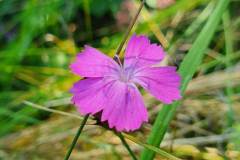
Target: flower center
125 75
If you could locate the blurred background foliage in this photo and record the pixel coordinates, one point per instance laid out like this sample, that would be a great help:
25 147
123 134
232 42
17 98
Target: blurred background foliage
39 38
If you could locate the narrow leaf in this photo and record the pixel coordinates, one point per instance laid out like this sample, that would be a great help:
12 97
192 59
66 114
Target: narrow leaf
152 148
187 69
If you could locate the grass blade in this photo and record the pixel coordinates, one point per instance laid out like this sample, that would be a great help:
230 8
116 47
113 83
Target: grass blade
152 148
51 110
228 35
187 69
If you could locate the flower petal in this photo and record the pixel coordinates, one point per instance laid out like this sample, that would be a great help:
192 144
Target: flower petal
88 95
92 63
121 103
140 52
161 82
125 108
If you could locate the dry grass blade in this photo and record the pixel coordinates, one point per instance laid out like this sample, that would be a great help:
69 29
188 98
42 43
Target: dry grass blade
155 149
51 110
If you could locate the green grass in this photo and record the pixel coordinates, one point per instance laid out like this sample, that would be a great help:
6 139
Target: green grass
229 43
187 69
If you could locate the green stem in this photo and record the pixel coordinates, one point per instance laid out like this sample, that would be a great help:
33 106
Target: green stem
126 145
129 29
86 7
76 137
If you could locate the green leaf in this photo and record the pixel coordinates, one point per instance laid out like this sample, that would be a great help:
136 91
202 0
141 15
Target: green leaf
187 69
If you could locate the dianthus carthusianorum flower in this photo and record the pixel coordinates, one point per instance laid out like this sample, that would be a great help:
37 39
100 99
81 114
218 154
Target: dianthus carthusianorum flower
111 88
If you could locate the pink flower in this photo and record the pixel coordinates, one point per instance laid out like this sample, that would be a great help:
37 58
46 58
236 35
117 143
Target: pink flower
111 89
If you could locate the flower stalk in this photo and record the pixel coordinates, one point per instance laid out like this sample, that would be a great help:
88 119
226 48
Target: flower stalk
134 20
119 134
67 156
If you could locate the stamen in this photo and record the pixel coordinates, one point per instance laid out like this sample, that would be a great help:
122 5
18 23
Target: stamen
117 59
